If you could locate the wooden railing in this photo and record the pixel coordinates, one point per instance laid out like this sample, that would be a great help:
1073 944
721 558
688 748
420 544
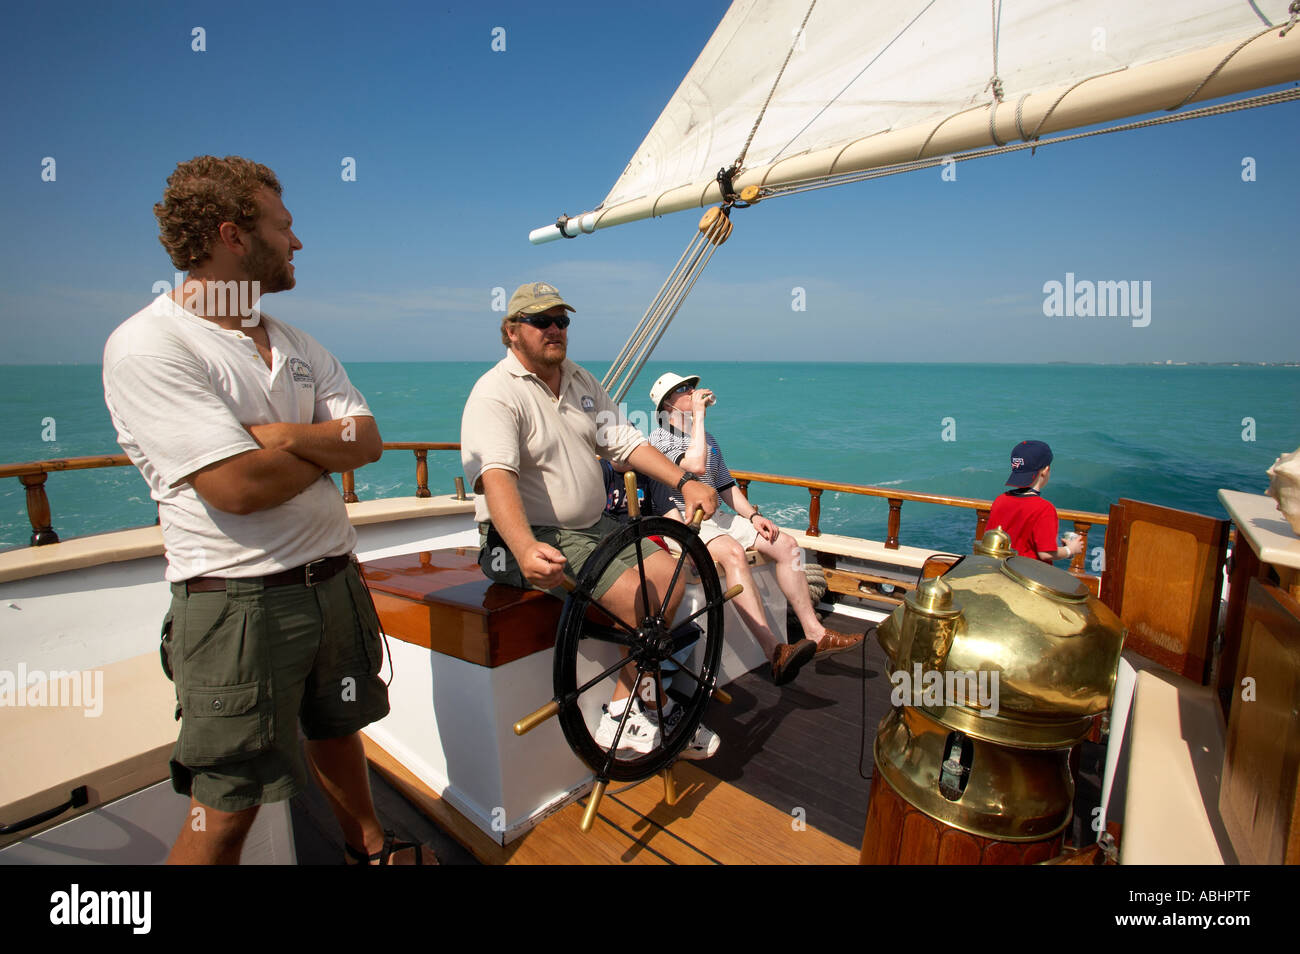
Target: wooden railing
1083 520
33 474
421 449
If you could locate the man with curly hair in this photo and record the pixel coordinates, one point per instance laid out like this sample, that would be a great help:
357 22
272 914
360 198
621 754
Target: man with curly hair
235 420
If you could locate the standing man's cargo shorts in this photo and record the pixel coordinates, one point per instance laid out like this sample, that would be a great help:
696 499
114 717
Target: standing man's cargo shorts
249 664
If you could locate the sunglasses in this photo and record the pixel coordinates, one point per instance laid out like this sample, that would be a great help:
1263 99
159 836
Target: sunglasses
681 389
542 322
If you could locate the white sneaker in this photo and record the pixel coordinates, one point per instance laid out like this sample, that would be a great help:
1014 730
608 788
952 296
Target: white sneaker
640 734
704 744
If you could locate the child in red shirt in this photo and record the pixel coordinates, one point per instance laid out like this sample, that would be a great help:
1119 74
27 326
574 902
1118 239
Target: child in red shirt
1027 518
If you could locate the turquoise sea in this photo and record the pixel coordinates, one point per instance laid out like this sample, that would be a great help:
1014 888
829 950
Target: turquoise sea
1171 435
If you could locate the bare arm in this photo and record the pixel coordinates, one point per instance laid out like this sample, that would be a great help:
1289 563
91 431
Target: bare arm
737 501
697 454
541 564
649 461
253 481
1063 552
341 445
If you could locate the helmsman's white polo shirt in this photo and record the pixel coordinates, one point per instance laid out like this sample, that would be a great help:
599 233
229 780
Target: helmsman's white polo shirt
513 422
180 389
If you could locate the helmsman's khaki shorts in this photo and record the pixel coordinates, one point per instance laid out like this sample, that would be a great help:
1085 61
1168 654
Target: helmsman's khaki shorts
576 545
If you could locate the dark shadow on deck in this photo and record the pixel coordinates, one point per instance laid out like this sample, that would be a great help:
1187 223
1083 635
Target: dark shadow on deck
318 840
803 745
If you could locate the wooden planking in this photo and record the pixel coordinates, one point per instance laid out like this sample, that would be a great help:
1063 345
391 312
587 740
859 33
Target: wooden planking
732 826
799 746
556 841
417 792
713 822
649 836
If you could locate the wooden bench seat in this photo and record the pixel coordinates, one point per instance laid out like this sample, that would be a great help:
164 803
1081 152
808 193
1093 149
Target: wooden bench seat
119 744
441 600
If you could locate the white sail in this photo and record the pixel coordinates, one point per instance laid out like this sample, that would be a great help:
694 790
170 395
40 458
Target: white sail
876 82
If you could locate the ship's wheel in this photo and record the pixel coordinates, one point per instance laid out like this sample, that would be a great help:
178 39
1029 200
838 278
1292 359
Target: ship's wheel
592 647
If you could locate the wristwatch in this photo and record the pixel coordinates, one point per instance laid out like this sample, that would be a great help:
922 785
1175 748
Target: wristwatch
686 475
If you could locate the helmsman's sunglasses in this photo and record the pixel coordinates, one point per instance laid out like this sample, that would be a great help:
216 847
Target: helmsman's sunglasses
542 322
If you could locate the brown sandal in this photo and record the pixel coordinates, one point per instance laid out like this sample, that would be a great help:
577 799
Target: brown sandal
384 855
834 642
789 658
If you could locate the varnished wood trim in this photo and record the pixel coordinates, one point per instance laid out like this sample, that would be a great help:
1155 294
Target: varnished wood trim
898 833
1187 650
1246 566
969 503
473 637
1259 797
849 583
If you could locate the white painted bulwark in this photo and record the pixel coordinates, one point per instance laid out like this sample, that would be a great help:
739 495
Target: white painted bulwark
452 725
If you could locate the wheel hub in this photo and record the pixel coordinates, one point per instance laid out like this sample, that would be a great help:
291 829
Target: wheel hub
656 641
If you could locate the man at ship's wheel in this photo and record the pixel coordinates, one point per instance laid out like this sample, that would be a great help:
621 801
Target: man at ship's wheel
533 429
234 420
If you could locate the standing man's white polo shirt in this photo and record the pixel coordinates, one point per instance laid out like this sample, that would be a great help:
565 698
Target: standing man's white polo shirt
180 389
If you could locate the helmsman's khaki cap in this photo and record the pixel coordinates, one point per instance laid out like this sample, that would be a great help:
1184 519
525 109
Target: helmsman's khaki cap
535 298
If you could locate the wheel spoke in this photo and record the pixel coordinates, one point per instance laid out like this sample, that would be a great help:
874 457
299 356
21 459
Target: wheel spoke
618 734
699 681
640 569
672 583
659 700
682 636
578 591
604 675
699 612
607 634
611 754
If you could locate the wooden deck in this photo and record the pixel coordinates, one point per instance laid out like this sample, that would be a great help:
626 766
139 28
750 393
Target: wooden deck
712 823
789 786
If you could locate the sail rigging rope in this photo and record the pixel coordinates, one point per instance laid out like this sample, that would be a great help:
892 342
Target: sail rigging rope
1294 10
995 81
714 230
823 182
883 51
1222 63
794 44
1033 136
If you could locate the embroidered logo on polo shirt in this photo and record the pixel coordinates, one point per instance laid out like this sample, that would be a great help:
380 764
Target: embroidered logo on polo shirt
301 371
587 403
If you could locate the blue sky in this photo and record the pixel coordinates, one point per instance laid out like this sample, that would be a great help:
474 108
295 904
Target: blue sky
461 150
